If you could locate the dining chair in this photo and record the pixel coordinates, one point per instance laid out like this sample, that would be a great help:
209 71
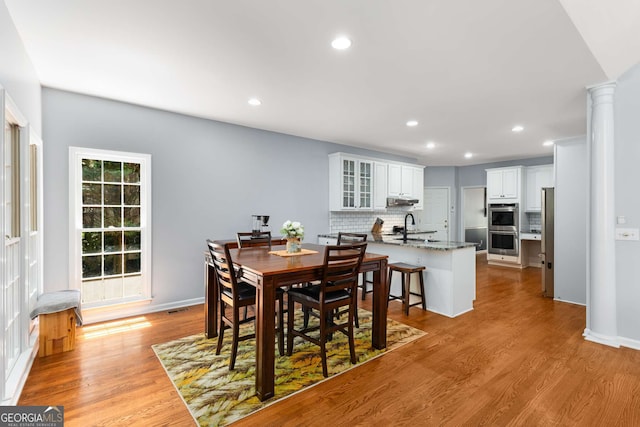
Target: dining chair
235 294
350 238
254 239
337 289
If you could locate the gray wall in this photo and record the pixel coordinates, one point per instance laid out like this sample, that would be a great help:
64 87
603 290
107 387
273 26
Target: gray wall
571 189
627 200
208 178
17 75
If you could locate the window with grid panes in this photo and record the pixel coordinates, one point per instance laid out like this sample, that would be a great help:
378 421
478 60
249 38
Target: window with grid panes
113 228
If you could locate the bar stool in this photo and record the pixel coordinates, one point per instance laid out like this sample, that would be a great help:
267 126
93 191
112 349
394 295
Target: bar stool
406 270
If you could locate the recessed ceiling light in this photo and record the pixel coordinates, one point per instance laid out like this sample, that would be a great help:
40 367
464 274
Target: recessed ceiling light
254 101
341 43
412 123
517 128
547 143
430 145
468 155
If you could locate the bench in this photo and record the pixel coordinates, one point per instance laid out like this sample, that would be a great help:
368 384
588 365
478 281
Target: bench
59 314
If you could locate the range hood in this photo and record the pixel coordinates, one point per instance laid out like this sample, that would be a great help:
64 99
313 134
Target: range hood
401 201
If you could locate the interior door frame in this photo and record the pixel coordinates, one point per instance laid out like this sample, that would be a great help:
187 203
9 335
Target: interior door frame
462 207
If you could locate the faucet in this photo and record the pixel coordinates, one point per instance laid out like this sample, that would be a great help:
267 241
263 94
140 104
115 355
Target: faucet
413 222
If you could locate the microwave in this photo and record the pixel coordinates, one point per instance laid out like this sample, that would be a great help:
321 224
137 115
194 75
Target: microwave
503 216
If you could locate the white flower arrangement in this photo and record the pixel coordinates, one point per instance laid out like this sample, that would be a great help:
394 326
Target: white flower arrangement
292 229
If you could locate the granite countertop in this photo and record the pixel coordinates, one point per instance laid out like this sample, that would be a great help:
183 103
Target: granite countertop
415 242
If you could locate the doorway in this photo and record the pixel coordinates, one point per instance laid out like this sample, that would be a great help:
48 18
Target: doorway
435 215
474 216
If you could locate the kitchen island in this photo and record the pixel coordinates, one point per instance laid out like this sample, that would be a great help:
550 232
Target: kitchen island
450 275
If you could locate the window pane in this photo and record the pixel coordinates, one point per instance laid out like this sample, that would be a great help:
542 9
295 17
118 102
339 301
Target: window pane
112 241
132 240
132 263
91 266
132 195
91 242
112 194
91 217
112 217
112 264
132 172
91 194
112 172
132 217
91 170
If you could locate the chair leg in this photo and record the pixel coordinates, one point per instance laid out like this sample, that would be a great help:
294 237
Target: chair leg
389 284
405 293
281 325
364 287
305 311
221 329
355 306
424 297
352 345
236 335
323 346
290 317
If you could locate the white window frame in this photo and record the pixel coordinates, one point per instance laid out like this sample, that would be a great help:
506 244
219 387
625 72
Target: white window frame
76 154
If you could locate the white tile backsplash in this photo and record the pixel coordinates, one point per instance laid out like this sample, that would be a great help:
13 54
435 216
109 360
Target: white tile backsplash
362 222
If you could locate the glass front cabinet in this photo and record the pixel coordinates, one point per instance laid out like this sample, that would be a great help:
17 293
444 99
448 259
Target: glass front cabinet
351 183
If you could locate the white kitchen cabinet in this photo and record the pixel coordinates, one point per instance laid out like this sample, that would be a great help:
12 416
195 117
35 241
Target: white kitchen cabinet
380 182
406 180
504 184
536 178
394 183
418 188
350 183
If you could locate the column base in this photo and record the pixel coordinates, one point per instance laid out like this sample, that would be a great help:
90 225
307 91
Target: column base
589 335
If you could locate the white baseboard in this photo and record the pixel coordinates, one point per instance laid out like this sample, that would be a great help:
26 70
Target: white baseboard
570 302
629 343
90 316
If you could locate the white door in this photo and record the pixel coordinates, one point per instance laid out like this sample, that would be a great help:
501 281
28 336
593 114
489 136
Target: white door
435 215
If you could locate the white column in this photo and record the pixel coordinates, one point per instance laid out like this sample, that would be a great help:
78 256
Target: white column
601 301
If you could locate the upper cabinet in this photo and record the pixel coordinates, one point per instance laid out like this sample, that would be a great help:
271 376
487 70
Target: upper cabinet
380 183
364 183
504 184
350 183
407 181
536 177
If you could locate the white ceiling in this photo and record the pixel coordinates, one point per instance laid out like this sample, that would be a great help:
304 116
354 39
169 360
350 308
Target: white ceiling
467 70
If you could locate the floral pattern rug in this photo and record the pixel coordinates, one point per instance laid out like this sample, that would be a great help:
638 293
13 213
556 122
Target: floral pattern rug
216 396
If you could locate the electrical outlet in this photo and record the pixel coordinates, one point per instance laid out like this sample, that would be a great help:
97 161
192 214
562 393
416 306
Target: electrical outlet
626 234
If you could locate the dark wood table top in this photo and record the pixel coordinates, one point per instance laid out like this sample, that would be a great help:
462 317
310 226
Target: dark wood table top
261 261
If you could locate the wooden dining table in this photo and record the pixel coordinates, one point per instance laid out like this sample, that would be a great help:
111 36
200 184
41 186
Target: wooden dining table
267 272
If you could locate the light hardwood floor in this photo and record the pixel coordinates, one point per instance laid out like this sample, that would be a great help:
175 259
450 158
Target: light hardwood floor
516 359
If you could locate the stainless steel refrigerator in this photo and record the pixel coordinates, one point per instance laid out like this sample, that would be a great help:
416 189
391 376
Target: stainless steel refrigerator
547 241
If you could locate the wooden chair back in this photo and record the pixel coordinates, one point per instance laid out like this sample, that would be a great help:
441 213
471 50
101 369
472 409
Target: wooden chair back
223 265
341 266
254 239
348 238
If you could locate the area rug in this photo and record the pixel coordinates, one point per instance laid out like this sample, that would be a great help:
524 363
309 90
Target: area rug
216 396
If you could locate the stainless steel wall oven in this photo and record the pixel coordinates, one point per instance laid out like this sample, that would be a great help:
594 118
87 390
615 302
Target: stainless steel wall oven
503 229
503 216
504 242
